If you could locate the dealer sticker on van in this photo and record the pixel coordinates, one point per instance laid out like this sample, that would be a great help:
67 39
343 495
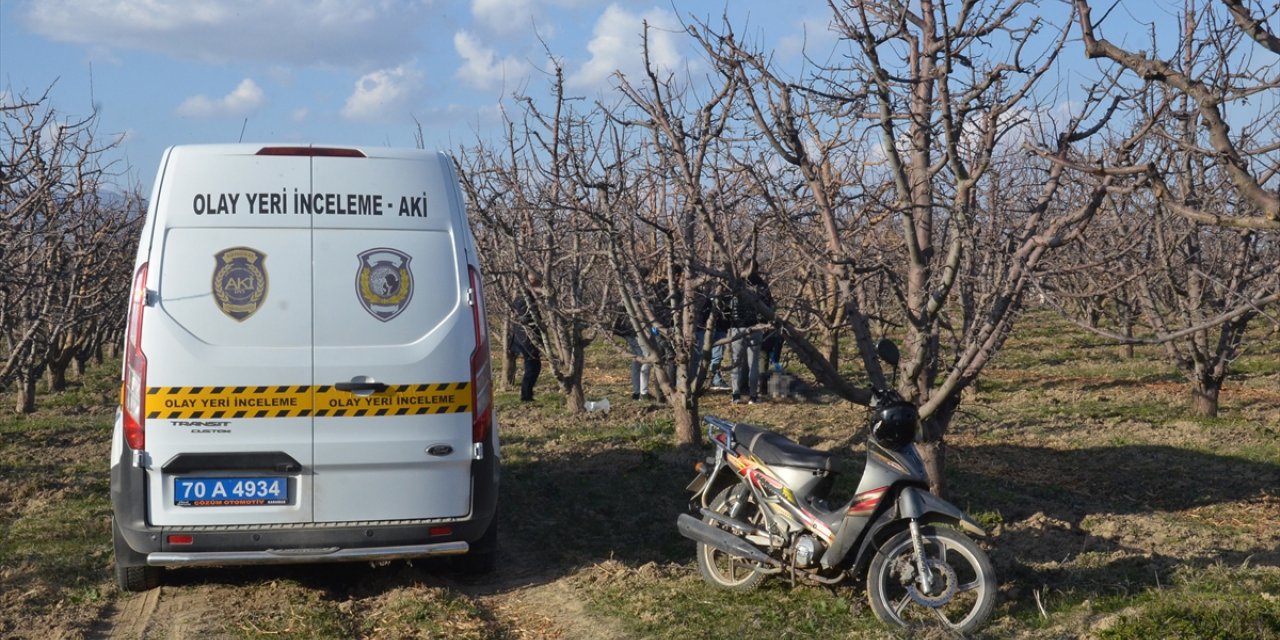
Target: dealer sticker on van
230 492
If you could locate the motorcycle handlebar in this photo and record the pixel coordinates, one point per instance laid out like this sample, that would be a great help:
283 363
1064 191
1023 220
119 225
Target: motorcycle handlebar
881 396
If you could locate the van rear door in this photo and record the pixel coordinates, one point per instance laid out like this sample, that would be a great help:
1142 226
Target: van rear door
228 339
393 336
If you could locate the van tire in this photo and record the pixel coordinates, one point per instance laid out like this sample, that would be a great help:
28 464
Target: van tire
483 556
132 575
137 578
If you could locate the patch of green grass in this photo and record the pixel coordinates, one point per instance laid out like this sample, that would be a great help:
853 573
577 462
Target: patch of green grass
1213 602
672 601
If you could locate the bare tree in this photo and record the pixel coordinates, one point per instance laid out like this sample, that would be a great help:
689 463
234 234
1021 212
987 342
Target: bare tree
692 208
1213 71
57 238
940 97
533 220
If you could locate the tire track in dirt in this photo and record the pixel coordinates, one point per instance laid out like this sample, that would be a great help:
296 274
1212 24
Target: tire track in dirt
159 614
128 617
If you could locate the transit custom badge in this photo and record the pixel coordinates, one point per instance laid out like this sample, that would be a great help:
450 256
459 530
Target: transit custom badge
384 283
239 281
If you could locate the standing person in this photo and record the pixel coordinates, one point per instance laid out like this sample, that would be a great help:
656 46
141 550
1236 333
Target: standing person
524 336
708 311
745 338
640 366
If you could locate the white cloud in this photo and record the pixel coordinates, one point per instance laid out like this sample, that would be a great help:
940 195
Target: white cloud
480 67
813 36
300 114
503 16
617 44
246 98
383 95
332 33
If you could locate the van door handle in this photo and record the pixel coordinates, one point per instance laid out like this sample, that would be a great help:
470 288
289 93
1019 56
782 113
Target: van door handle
354 387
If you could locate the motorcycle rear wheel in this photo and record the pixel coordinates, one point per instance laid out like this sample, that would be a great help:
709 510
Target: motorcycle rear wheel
964 593
719 568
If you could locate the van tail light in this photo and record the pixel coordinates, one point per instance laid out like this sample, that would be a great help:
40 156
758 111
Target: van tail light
481 377
133 389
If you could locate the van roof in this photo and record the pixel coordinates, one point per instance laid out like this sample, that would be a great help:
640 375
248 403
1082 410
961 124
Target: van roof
303 149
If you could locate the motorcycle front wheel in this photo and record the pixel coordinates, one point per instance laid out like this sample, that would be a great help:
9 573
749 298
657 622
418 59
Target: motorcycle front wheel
719 568
963 592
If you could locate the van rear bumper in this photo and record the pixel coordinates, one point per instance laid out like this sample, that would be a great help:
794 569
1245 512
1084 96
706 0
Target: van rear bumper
304 556
140 543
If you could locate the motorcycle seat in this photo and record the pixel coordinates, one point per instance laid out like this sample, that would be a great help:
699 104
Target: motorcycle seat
775 448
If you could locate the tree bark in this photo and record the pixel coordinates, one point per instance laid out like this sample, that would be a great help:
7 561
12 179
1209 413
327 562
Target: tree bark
1204 398
686 417
575 399
26 396
508 358
57 375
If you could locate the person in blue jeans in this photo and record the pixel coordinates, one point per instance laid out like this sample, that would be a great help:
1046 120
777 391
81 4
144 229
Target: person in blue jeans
640 365
708 310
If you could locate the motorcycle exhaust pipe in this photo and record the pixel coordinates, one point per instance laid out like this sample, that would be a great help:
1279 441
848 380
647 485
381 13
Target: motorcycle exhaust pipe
695 529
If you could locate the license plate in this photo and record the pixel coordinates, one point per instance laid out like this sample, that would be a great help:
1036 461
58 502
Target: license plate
698 482
230 492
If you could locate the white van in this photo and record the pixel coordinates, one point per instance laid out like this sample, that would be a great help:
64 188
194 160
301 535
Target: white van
306 366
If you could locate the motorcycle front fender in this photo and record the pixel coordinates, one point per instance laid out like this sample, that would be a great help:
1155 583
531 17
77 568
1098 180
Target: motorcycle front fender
911 503
916 504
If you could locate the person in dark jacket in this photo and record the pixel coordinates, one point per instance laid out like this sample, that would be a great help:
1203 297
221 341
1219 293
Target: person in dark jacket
524 336
745 335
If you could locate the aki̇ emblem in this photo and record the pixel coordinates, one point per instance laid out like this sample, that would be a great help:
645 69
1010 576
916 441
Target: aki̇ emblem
239 281
384 283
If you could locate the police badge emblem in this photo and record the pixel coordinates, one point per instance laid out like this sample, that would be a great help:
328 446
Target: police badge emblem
384 283
239 281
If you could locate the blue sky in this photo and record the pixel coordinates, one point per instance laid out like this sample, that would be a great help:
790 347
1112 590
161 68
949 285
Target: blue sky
166 72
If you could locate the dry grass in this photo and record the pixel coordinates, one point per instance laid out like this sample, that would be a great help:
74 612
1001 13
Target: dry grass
1115 513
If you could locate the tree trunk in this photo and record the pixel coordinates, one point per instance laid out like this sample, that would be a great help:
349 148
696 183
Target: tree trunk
685 410
78 364
26 394
934 455
1204 397
831 346
575 399
57 374
933 446
1127 348
508 358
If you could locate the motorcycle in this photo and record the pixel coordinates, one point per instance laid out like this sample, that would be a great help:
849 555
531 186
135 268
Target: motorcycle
763 507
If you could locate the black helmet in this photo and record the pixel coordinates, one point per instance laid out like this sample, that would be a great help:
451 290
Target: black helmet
894 426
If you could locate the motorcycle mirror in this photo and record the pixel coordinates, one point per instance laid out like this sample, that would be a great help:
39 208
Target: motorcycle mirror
888 351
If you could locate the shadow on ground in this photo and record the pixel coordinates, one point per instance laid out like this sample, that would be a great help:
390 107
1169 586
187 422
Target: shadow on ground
620 503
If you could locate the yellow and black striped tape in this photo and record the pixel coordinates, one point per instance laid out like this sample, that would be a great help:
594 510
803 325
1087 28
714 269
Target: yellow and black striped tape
302 401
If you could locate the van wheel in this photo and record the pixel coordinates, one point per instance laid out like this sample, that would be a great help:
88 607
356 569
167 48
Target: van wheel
137 578
132 574
483 556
